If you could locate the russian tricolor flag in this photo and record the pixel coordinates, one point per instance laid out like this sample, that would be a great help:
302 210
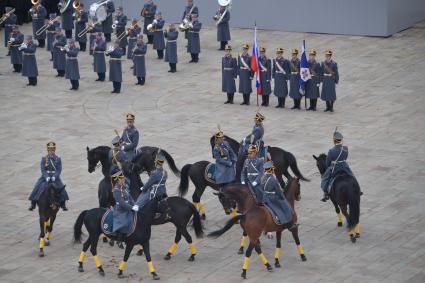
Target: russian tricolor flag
254 62
304 70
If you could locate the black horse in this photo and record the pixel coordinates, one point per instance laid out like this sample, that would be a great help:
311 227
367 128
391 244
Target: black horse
142 234
48 206
345 192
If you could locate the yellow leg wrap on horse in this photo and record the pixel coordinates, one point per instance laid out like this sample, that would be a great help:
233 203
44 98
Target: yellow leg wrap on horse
245 263
82 257
201 208
233 213
350 231
263 258
300 249
196 204
357 228
41 244
150 266
277 253
48 235
339 217
97 261
122 265
173 248
192 248
243 242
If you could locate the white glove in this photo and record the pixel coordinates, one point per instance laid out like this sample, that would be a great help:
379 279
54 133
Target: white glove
190 25
67 49
155 21
122 148
135 208
141 188
243 183
116 22
126 33
254 183
53 179
318 85
47 179
12 39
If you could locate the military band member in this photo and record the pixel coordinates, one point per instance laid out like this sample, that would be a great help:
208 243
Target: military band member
29 62
130 137
107 23
121 22
132 34
16 38
8 24
158 35
229 72
148 12
265 76
294 81
312 91
59 54
188 11
67 19
51 169
80 24
281 73
115 69
171 47
139 52
38 14
51 32
72 72
94 30
194 42
99 62
225 160
252 172
329 81
245 74
223 30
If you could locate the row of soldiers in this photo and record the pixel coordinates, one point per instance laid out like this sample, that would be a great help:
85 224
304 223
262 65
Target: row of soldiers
281 70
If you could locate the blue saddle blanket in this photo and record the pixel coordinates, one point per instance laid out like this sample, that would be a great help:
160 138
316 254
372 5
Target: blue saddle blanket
210 172
107 223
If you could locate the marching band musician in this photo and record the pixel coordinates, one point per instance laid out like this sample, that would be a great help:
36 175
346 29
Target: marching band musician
67 19
38 14
99 63
171 48
229 73
294 88
29 62
194 43
59 55
8 24
80 24
329 81
16 38
281 71
245 74
121 22
51 32
72 72
223 30
130 137
265 77
158 35
188 11
312 86
148 12
139 51
107 23
115 70
94 30
132 34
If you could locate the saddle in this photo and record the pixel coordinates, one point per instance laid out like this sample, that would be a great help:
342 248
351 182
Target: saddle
333 179
274 216
210 173
107 223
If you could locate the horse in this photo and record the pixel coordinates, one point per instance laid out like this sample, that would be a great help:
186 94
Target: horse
141 235
48 207
345 191
257 219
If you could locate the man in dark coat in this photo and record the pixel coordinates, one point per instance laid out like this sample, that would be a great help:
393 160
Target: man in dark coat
225 161
171 48
158 35
51 33
72 72
265 77
139 52
281 73
294 81
245 74
252 172
16 38
223 30
8 24
99 62
229 72
329 80
107 23
67 18
115 69
29 63
80 24
38 14
130 137
148 12
188 11
59 54
312 86
121 22
132 34
194 43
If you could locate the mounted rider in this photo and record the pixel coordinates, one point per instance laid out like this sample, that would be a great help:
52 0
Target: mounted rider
257 134
225 160
130 138
336 164
51 168
274 198
117 158
252 172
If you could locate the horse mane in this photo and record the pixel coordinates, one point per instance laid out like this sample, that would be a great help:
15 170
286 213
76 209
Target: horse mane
102 148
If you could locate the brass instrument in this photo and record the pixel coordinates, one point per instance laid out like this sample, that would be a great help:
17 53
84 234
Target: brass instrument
88 28
76 6
48 24
224 3
98 10
64 5
6 16
144 12
34 8
185 25
9 44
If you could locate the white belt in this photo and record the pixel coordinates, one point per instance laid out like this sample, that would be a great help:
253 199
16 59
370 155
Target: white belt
228 69
172 40
133 37
50 31
263 71
280 72
50 172
71 58
252 174
115 59
294 73
99 51
266 192
244 68
328 75
194 31
29 54
334 162
138 55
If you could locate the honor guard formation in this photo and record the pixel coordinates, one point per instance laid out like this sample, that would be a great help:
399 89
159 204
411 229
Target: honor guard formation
253 181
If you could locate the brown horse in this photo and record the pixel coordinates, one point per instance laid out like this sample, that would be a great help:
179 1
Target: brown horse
257 219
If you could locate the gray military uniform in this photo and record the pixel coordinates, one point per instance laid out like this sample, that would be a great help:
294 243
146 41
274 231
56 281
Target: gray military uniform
80 24
116 157
154 187
274 199
223 29
99 47
122 214
107 23
188 11
72 71
251 174
171 47
92 38
132 39
122 22
139 53
229 73
330 79
245 74
38 22
194 42
294 81
115 68
15 53
151 8
130 138
265 75
312 85
225 160
29 63
281 73
158 35
59 56
7 24
336 162
51 34
67 18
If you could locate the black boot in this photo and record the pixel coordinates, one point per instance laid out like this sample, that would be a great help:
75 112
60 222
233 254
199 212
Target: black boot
291 226
231 95
279 102
311 105
228 99
32 206
325 197
332 106
314 101
63 206
327 106
143 81
247 98
295 104
244 99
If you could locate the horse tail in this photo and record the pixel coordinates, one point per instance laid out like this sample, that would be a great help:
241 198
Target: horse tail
197 224
227 227
171 163
78 225
353 199
292 161
184 180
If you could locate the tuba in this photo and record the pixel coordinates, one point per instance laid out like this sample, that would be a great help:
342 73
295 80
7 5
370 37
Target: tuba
184 25
35 4
64 5
224 3
98 10
76 6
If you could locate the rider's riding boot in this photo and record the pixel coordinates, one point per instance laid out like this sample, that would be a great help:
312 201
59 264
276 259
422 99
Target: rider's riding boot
32 206
291 226
325 197
63 206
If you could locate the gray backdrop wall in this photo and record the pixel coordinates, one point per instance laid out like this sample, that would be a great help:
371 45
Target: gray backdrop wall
354 17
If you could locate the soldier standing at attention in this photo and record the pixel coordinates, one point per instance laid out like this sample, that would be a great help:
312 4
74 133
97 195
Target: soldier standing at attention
8 24
135 30
107 23
158 35
96 29
294 81
67 19
194 43
148 12
281 72
265 77
59 58
16 38
99 64
121 22
229 73
139 52
38 14
80 24
115 70
188 11
312 86
171 48
72 72
245 74
130 137
223 30
29 63
51 33
330 79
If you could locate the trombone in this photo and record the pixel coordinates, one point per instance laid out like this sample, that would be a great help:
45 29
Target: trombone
46 26
6 16
88 28
128 30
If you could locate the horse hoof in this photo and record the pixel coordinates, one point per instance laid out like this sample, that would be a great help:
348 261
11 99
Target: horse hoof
155 276
269 235
46 243
277 264
41 254
357 235
120 276
80 269
240 251
111 242
269 267
120 245
167 256
191 258
105 240
303 257
339 224
353 239
101 271
243 275
140 252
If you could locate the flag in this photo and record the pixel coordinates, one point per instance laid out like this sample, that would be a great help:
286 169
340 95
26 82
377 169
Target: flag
304 70
254 62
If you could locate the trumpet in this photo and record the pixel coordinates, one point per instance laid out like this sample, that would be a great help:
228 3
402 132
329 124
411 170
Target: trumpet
7 15
48 24
22 46
64 48
88 28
